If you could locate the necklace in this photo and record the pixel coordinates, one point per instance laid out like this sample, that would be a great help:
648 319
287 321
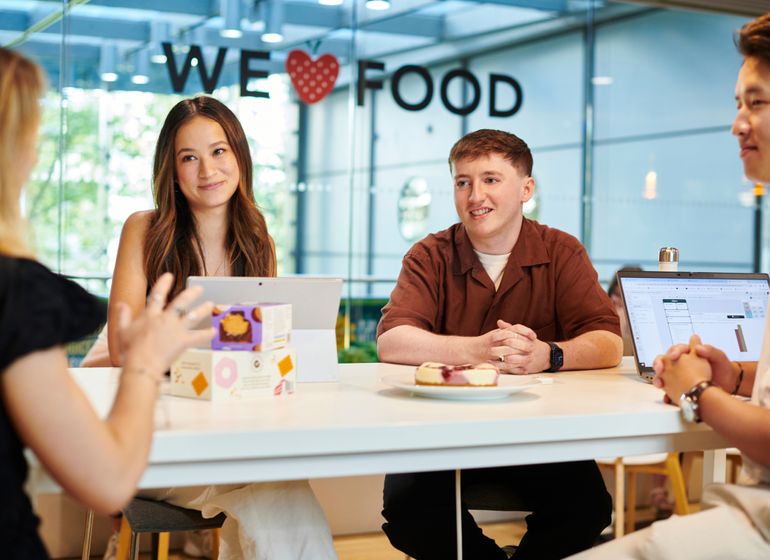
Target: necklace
221 263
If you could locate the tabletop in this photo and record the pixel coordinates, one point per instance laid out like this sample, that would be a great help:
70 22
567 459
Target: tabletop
359 425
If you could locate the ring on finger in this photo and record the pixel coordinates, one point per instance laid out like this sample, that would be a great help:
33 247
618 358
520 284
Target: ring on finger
501 358
180 311
154 298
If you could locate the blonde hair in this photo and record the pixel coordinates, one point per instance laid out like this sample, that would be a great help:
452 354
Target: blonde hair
21 84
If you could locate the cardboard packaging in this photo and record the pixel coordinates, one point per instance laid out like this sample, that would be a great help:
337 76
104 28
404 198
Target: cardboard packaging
253 327
217 375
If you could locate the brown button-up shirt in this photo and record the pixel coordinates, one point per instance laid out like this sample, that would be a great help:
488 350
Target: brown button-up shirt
548 285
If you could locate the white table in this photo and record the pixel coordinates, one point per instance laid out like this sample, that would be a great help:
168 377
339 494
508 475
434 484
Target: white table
360 426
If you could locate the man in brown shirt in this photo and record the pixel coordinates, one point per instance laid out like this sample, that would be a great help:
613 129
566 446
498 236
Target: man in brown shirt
502 289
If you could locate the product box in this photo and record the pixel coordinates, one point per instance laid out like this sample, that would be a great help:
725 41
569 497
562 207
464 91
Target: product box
252 327
218 375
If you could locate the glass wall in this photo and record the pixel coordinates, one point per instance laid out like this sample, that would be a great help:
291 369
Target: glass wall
351 115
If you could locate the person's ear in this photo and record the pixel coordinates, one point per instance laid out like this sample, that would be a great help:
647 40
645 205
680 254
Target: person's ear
528 189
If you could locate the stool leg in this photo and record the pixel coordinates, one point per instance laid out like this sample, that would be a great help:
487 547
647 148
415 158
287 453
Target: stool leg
681 507
154 538
133 551
87 535
620 497
124 540
215 543
631 515
163 539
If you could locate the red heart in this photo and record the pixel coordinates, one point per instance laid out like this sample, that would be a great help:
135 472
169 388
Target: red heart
312 79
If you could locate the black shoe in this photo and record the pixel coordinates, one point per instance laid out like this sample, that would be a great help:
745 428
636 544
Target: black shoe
510 550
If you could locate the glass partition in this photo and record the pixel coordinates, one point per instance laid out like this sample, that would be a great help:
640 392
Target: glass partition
351 112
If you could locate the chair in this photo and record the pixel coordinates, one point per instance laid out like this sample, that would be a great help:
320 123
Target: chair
659 463
159 519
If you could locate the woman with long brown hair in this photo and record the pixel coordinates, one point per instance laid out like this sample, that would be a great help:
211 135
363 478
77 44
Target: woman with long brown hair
97 461
206 222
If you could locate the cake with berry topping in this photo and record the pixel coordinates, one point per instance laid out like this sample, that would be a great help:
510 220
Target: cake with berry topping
467 375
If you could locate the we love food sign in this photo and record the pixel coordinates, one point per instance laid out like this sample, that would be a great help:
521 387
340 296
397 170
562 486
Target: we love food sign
314 79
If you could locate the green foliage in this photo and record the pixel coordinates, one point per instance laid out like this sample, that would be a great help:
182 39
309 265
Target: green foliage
360 352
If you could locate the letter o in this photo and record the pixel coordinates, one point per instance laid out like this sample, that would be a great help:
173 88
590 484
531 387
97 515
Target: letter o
468 77
396 80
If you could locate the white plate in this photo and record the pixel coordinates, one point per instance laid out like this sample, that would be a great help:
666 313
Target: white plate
507 385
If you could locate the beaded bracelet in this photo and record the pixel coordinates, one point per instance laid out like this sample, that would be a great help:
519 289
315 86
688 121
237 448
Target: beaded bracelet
740 378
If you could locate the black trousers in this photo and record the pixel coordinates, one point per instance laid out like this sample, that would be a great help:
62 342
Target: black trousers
569 503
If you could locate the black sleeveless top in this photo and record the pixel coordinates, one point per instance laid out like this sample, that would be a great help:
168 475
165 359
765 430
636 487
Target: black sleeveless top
38 310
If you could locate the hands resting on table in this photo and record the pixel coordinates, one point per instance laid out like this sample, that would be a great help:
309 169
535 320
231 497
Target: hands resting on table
684 366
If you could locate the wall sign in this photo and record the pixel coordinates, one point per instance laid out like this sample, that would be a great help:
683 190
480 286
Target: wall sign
313 80
424 74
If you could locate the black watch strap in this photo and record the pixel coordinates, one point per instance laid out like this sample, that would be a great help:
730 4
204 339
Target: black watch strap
557 357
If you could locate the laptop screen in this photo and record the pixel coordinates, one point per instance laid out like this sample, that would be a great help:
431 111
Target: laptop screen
727 310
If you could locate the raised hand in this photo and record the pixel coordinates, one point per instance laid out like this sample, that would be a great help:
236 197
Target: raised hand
161 332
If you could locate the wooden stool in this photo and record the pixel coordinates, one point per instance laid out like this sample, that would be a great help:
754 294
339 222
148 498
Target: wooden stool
662 463
159 519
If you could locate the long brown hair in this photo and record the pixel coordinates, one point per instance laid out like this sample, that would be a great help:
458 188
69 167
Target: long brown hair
172 242
21 85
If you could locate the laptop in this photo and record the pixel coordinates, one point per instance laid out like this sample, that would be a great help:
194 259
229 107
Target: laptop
315 305
727 310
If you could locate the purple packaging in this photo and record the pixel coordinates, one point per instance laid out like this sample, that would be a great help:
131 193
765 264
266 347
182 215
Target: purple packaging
253 327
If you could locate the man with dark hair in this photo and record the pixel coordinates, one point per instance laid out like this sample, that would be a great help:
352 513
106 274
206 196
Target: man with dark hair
502 289
735 520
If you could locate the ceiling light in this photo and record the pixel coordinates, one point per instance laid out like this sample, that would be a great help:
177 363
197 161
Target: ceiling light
231 12
108 60
602 80
330 2
159 33
273 20
377 4
141 68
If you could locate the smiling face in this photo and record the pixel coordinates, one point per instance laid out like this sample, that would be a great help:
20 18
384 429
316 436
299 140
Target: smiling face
489 192
752 122
206 167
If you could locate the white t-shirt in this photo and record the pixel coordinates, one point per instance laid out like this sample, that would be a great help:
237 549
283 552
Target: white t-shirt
760 396
752 493
494 265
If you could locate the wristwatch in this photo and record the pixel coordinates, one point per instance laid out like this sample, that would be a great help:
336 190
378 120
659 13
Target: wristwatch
689 402
557 357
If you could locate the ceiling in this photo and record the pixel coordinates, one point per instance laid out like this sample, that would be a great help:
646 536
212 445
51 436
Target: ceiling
90 33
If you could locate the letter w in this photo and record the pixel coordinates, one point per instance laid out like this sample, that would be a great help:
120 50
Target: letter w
178 80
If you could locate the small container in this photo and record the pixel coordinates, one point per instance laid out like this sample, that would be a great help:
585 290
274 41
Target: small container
668 259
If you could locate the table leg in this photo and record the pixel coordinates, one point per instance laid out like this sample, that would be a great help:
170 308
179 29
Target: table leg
459 515
714 466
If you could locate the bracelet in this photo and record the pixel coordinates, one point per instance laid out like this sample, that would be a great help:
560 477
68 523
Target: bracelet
740 378
144 373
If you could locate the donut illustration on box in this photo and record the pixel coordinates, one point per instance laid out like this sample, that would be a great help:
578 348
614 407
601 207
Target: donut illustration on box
253 327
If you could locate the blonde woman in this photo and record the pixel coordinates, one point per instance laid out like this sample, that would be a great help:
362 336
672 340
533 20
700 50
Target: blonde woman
97 461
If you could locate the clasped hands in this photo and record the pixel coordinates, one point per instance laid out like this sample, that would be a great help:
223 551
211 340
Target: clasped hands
684 366
514 349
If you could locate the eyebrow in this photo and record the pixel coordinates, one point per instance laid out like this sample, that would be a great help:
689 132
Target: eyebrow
749 90
217 143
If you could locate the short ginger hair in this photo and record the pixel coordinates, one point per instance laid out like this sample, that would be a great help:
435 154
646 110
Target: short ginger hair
486 141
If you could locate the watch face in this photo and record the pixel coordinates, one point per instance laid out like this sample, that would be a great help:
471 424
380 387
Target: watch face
557 357
688 409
